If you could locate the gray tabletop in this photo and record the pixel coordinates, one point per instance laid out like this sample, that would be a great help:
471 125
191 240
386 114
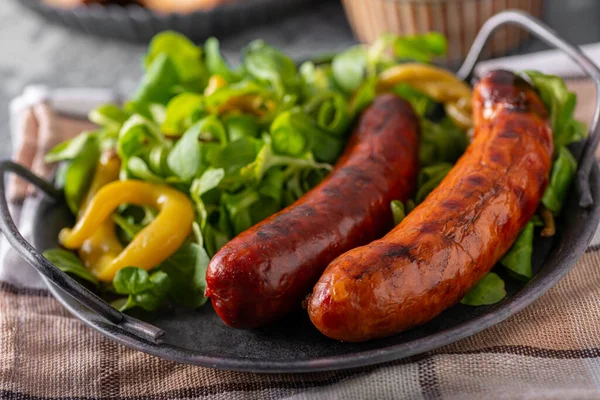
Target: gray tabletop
33 51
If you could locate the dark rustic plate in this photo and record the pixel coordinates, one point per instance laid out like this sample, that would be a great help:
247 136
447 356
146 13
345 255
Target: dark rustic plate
135 23
294 345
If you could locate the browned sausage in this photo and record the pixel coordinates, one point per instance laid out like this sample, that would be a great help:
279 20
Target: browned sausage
451 240
266 271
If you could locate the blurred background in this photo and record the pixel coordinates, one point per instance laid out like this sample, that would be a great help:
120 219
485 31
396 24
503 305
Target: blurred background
62 43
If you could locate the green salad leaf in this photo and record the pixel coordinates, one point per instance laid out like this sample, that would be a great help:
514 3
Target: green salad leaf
398 211
267 64
315 79
349 68
186 158
187 271
157 85
209 180
79 173
143 289
421 47
518 258
294 133
137 137
181 113
69 149
489 290
240 126
138 169
560 103
267 158
127 225
421 103
215 63
331 112
108 116
562 175
429 178
441 142
185 56
68 262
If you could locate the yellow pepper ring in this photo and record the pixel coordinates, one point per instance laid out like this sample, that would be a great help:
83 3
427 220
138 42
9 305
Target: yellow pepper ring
460 115
437 83
411 72
443 91
103 245
151 245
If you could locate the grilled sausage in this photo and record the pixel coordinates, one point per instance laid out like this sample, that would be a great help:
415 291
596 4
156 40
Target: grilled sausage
451 240
266 271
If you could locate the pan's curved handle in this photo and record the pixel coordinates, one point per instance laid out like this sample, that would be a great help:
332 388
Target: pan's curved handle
550 37
62 280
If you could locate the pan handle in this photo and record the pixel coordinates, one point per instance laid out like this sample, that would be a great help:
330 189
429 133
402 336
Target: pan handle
62 280
550 37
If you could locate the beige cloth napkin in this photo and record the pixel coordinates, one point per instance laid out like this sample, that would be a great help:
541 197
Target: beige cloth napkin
551 350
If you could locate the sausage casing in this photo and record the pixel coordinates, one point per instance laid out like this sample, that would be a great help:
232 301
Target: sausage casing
266 271
452 239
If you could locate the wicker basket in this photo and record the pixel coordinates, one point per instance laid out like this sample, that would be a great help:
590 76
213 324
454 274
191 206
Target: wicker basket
458 20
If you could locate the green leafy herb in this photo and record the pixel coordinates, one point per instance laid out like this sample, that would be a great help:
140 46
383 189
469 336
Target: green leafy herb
181 112
137 136
144 290
69 149
209 180
235 155
215 63
139 169
429 178
563 173
398 211
238 209
349 68
185 158
294 133
561 107
364 95
267 159
267 64
421 103
157 85
489 290
315 79
187 270
442 142
68 262
129 227
80 172
518 258
109 116
331 112
185 56
421 47
241 126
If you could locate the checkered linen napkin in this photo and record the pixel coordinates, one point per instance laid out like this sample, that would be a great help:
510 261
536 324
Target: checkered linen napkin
549 350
